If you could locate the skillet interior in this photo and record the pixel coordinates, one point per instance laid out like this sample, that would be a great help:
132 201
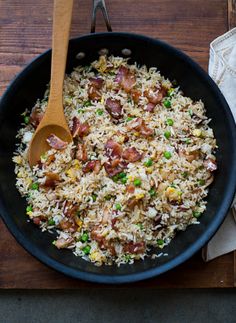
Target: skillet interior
30 85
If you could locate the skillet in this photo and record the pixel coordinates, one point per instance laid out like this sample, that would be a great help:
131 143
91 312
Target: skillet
30 84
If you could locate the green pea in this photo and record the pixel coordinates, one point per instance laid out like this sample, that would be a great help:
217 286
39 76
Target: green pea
160 242
108 197
51 222
184 174
29 208
152 192
201 182
118 206
188 141
81 111
124 180
26 119
100 112
167 103
196 214
127 258
167 154
140 225
87 103
35 186
115 178
86 250
84 237
129 118
121 175
137 182
167 134
94 197
170 122
148 163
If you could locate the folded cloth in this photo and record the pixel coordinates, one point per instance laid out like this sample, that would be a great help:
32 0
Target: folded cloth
222 68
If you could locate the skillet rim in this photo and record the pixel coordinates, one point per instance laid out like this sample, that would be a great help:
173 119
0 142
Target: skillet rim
192 249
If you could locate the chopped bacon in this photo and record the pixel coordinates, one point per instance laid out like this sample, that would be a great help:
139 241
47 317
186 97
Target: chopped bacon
81 153
79 129
210 164
68 225
154 96
150 107
134 248
113 223
70 210
63 243
114 108
36 116
94 87
135 95
125 78
97 82
50 159
114 167
113 149
132 202
140 125
130 188
37 220
56 143
50 180
75 127
92 166
131 154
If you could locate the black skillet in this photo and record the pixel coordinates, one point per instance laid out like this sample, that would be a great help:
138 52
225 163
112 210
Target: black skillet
30 84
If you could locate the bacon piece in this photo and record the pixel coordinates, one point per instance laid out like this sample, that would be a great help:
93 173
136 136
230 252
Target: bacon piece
132 202
130 188
50 180
140 125
150 107
75 127
79 129
70 209
37 220
114 108
94 88
125 78
97 82
154 96
210 164
81 153
113 223
131 154
36 116
114 167
63 243
113 149
56 143
92 166
135 94
68 225
134 248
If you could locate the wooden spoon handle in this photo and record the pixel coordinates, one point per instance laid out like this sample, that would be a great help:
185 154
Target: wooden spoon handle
61 28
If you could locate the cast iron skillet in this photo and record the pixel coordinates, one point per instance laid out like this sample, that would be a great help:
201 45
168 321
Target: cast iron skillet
30 84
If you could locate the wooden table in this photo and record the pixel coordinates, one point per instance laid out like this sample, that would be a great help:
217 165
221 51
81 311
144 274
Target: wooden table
25 31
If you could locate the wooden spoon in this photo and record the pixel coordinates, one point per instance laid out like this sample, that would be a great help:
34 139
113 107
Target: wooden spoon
54 121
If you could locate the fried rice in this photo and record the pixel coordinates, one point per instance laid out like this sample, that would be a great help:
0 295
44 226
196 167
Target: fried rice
137 171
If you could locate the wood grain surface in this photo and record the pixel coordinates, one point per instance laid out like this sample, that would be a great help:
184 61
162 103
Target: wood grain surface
25 32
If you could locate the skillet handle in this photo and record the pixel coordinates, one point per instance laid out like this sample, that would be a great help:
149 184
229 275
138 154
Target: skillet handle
100 4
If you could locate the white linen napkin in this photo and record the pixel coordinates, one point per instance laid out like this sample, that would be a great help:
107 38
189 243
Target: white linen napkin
222 68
